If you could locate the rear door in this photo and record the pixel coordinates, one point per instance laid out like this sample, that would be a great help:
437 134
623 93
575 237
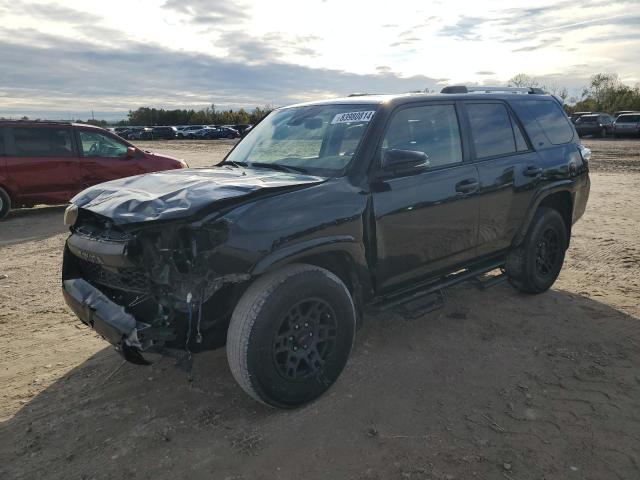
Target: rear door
508 169
426 221
42 163
104 157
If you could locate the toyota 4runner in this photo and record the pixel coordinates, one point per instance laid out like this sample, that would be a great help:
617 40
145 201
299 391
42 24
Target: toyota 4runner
326 210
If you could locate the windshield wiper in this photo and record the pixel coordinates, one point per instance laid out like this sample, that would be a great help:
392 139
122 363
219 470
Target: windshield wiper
278 166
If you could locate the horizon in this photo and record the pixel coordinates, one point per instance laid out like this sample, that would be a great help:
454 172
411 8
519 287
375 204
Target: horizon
67 59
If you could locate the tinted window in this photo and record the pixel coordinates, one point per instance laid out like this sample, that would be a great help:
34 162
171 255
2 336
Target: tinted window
551 119
2 151
42 142
95 144
491 129
432 129
521 143
628 119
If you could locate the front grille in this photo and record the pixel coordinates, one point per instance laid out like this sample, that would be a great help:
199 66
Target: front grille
128 279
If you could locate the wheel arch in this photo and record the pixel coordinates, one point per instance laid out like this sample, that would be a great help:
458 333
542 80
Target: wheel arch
341 255
558 197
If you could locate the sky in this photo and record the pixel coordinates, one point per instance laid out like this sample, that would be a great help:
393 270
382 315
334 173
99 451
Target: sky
66 59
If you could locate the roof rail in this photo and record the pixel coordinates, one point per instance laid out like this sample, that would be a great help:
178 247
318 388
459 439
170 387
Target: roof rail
517 90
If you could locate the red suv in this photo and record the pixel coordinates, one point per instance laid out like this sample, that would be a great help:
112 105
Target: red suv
49 162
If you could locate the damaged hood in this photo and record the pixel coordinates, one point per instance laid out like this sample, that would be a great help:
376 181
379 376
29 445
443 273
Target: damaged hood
181 193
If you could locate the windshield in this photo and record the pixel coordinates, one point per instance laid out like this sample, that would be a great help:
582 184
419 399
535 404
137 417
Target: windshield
316 139
587 119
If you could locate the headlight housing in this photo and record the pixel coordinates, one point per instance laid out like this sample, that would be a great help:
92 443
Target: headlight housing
71 215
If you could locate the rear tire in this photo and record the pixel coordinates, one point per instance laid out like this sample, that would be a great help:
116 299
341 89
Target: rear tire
5 204
290 335
534 266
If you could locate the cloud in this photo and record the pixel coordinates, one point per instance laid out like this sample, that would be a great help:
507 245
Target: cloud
485 72
466 28
207 12
83 76
267 48
49 11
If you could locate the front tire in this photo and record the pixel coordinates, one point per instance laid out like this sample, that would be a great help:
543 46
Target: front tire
534 266
5 204
290 335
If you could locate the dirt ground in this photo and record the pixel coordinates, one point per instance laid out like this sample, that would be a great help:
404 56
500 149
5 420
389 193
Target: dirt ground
497 385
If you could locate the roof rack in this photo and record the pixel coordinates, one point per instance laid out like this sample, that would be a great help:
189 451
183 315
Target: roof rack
516 90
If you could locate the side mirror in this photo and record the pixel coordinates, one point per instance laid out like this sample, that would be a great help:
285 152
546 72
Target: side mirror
397 161
131 152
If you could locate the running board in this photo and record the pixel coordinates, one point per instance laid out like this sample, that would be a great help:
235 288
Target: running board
430 295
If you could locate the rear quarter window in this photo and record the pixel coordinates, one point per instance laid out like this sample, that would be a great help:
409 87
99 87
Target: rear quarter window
546 117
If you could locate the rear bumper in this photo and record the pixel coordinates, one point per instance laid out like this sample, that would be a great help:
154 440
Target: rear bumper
107 318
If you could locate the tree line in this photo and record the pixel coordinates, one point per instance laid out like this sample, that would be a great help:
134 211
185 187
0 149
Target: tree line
604 93
206 116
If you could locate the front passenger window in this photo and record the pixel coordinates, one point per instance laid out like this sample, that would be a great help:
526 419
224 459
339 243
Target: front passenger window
95 144
431 129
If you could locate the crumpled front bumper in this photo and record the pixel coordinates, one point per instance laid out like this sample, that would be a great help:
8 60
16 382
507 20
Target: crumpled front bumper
107 318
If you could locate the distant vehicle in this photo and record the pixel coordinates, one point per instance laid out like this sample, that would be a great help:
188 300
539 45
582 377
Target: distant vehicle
627 124
50 162
142 133
600 124
163 133
622 112
576 115
220 132
241 127
203 131
189 131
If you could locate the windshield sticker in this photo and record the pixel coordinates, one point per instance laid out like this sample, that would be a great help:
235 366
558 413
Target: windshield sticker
349 117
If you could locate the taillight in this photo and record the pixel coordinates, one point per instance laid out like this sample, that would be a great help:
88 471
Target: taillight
585 153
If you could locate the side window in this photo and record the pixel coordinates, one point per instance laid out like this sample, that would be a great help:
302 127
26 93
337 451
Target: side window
521 143
432 129
491 129
549 117
2 150
95 144
42 142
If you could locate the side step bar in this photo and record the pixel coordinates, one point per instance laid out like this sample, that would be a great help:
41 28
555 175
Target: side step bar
430 295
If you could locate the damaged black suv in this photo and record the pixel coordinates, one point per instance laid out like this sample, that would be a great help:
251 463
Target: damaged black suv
326 210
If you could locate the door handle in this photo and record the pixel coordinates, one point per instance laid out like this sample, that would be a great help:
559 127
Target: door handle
467 186
532 171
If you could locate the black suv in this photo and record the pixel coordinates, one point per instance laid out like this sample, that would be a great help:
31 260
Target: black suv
324 211
163 133
598 124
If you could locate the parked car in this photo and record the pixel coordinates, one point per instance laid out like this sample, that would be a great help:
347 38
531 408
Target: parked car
627 124
598 124
220 132
327 210
200 134
621 112
50 162
140 133
189 131
163 133
240 128
576 115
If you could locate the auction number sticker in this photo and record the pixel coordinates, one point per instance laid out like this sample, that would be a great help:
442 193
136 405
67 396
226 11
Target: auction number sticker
349 117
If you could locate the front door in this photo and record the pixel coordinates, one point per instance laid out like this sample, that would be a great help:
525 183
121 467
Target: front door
428 221
104 158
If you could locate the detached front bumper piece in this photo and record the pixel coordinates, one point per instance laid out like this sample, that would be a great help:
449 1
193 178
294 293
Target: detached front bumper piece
107 318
